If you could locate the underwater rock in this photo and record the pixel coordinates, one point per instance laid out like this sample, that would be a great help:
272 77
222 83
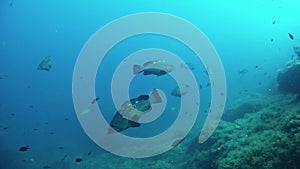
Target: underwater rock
239 144
288 78
293 123
243 106
45 64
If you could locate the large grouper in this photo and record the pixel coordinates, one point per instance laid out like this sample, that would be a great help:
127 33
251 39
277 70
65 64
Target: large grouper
131 111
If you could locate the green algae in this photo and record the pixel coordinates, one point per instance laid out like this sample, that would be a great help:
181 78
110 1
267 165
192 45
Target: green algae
268 138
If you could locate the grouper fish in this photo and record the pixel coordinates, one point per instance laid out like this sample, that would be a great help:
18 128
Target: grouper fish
131 111
156 67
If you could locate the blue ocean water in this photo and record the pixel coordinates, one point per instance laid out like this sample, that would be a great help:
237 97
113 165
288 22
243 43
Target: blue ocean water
36 107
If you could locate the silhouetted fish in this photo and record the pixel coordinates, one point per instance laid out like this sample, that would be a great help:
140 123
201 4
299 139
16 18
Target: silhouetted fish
95 100
23 149
291 36
45 64
78 160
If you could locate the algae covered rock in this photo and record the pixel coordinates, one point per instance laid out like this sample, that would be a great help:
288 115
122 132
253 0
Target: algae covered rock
244 106
288 78
267 139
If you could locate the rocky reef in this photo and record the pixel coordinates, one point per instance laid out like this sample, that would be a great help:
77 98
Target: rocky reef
242 106
288 78
268 138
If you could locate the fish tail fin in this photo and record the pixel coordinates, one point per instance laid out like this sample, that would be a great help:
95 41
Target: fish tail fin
155 97
111 130
137 69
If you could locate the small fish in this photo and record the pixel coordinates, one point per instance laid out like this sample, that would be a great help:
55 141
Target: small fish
89 153
291 36
272 40
189 66
46 167
66 118
64 157
45 64
95 100
61 147
178 141
23 149
273 22
206 72
243 71
156 67
180 90
208 84
78 160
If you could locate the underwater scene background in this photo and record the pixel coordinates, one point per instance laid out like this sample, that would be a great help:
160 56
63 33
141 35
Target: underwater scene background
258 43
